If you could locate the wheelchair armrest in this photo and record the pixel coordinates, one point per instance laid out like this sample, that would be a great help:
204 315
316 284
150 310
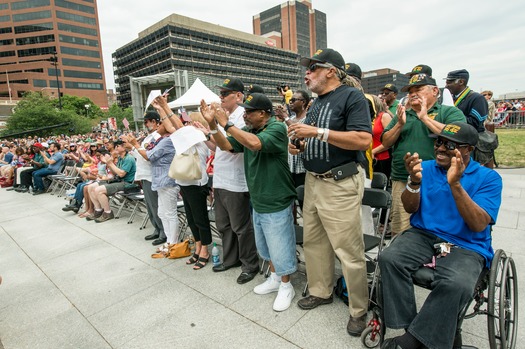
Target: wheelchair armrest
423 277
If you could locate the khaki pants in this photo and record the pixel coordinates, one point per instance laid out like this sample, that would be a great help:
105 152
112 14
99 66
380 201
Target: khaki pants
332 223
400 217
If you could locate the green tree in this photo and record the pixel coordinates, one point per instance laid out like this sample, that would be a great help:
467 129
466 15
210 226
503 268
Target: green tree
37 112
119 113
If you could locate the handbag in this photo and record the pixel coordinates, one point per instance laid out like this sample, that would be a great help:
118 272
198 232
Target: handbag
186 166
179 250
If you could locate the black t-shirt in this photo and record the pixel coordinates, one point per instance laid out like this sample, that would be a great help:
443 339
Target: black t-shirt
475 108
344 109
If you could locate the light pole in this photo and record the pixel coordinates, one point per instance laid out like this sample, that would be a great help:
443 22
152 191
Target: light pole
87 109
54 62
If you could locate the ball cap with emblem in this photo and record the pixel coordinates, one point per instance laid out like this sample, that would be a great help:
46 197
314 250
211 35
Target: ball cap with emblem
390 87
419 80
458 74
354 70
325 55
255 89
420 69
232 84
257 101
152 115
459 132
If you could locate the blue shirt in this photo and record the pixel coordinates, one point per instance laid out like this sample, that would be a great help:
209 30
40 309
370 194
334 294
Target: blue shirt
59 159
439 215
161 157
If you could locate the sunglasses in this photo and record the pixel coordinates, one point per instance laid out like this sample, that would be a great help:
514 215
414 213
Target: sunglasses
448 144
293 100
226 93
313 67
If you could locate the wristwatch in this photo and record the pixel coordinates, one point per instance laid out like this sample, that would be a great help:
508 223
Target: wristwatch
228 125
409 180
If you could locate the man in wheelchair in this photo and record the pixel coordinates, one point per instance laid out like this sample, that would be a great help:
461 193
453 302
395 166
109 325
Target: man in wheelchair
453 201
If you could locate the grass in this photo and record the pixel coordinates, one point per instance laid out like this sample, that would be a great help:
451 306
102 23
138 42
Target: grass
511 149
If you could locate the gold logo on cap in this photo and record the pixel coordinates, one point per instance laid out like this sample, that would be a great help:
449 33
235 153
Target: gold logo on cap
318 52
347 66
453 129
249 99
388 85
417 69
226 82
417 78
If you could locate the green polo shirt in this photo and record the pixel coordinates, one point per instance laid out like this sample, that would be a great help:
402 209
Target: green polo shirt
267 172
393 107
414 137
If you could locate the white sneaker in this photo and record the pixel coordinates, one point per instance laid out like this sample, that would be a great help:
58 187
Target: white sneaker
269 286
284 297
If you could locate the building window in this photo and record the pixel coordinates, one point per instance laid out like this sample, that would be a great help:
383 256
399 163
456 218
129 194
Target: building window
29 4
7 53
6 42
5 18
4 6
76 7
33 28
78 41
35 40
53 72
31 16
39 83
79 63
82 74
76 18
83 85
79 52
6 30
36 51
76 29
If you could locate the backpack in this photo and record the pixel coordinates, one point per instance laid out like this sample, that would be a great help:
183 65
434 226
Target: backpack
340 289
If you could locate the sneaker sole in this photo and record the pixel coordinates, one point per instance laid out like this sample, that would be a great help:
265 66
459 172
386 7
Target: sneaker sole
266 291
289 304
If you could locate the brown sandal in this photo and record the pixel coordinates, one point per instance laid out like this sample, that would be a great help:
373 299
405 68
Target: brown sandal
201 263
193 259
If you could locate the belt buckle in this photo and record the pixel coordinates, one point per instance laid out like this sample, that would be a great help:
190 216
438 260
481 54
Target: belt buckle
324 176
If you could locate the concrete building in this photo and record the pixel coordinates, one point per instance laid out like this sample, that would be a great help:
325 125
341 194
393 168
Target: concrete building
179 43
294 25
32 30
374 80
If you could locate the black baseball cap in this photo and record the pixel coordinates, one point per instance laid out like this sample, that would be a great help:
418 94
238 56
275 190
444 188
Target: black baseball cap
354 70
325 55
257 101
390 87
458 74
419 80
152 115
420 69
255 89
459 132
232 84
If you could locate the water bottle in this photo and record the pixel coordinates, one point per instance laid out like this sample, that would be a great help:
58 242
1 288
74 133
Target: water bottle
215 255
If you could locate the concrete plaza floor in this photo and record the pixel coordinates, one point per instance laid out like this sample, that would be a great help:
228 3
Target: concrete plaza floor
69 283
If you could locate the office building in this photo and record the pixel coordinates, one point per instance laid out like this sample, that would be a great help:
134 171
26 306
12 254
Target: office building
181 43
294 25
373 81
31 31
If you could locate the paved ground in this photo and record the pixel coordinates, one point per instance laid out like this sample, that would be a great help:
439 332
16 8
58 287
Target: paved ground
69 283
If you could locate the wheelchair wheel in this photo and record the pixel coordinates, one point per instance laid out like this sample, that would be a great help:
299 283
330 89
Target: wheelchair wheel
371 337
502 302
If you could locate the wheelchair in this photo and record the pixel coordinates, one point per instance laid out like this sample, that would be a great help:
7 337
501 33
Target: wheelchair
495 295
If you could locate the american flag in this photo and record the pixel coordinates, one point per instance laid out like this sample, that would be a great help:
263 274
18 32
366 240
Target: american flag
125 122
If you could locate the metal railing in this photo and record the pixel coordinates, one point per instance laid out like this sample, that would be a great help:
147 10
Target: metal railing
513 119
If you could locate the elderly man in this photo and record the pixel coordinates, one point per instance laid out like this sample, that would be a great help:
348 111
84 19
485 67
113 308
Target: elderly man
453 201
408 131
389 94
334 137
124 172
265 146
54 162
232 199
491 106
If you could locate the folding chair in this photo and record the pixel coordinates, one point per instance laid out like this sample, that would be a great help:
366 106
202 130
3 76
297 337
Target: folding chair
379 181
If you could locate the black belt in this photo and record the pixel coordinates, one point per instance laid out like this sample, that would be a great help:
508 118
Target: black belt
340 172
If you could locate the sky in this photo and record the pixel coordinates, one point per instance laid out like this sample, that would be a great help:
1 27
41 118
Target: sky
485 37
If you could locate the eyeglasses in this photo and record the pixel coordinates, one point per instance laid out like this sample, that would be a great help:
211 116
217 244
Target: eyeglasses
313 67
225 93
293 100
448 144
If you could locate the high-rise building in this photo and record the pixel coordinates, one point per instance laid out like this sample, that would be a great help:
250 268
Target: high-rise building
182 43
32 31
294 25
374 80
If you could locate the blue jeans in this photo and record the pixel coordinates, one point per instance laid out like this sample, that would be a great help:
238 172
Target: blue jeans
38 176
79 192
455 277
275 239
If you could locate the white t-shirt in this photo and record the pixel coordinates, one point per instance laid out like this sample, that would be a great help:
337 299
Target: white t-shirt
228 168
144 166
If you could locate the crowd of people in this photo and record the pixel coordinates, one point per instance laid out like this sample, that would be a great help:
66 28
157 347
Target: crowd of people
331 145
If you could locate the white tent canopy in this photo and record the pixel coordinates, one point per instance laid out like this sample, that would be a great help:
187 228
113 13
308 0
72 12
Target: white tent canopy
194 95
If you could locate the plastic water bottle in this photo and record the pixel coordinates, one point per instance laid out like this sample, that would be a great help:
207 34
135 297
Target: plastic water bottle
215 255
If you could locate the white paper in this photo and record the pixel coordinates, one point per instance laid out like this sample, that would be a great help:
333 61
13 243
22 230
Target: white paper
186 137
152 95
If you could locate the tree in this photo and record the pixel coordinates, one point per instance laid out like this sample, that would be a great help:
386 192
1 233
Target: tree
117 112
36 111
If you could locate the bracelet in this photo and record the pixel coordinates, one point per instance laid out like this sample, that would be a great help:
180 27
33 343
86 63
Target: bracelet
413 191
164 118
140 148
170 115
208 137
325 135
213 132
286 118
320 133
409 181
